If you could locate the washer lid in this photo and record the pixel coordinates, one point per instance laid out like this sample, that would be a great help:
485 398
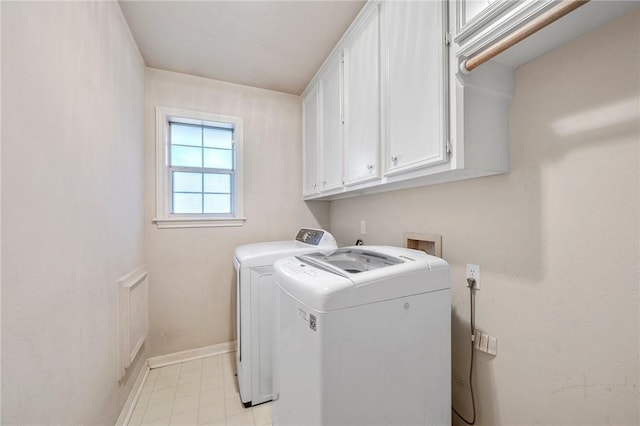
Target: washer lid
353 276
348 261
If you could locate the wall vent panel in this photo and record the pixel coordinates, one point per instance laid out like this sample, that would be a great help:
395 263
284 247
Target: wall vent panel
133 316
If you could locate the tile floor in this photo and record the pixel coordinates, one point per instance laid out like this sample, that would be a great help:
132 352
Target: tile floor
200 392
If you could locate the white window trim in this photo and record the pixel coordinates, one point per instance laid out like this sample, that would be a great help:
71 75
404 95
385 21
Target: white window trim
163 218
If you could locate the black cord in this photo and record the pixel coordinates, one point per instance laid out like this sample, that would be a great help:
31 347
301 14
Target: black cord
472 303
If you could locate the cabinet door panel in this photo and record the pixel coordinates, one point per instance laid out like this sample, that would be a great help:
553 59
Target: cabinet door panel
415 85
362 103
331 135
310 142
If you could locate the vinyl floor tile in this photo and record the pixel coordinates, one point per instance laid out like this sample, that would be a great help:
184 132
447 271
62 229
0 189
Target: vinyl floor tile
199 392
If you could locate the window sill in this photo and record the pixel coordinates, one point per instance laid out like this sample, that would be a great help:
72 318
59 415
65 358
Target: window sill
198 222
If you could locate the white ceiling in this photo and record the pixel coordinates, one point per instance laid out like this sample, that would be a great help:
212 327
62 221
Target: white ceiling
276 45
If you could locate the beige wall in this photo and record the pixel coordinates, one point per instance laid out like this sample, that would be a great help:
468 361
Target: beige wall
72 209
192 281
556 239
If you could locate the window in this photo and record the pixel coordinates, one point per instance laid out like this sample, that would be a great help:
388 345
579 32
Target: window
198 170
201 168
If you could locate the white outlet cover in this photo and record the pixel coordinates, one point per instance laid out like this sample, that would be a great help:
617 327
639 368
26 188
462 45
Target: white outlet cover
473 271
492 346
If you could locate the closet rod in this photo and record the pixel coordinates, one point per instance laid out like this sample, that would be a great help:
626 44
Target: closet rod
550 16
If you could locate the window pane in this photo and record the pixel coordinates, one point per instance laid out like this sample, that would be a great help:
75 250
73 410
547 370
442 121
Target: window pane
187 203
218 158
217 203
186 156
217 183
218 138
182 134
187 182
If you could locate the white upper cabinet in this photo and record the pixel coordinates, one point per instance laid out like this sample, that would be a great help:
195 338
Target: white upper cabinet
322 132
330 161
361 56
415 85
479 24
310 141
391 108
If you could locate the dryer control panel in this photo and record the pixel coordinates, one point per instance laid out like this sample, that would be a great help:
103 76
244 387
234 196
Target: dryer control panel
310 236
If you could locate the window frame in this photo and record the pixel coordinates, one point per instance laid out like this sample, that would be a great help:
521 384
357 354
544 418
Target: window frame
164 217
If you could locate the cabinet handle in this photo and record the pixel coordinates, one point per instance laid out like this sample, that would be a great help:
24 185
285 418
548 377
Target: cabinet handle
324 182
394 158
370 166
314 186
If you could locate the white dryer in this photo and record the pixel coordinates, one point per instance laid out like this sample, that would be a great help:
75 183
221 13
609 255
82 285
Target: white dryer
254 313
362 338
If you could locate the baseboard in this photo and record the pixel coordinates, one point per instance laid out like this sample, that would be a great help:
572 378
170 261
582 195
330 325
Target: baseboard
132 399
191 354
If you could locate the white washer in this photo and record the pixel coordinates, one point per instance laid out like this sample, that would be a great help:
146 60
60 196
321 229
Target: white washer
254 320
362 338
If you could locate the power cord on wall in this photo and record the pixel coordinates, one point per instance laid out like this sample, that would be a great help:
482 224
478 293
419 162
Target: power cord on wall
472 302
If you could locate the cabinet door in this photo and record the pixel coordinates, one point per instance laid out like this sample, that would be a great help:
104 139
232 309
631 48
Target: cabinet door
331 127
310 142
362 102
415 85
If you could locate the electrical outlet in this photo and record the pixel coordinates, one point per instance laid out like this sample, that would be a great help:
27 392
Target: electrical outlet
485 343
363 229
473 271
